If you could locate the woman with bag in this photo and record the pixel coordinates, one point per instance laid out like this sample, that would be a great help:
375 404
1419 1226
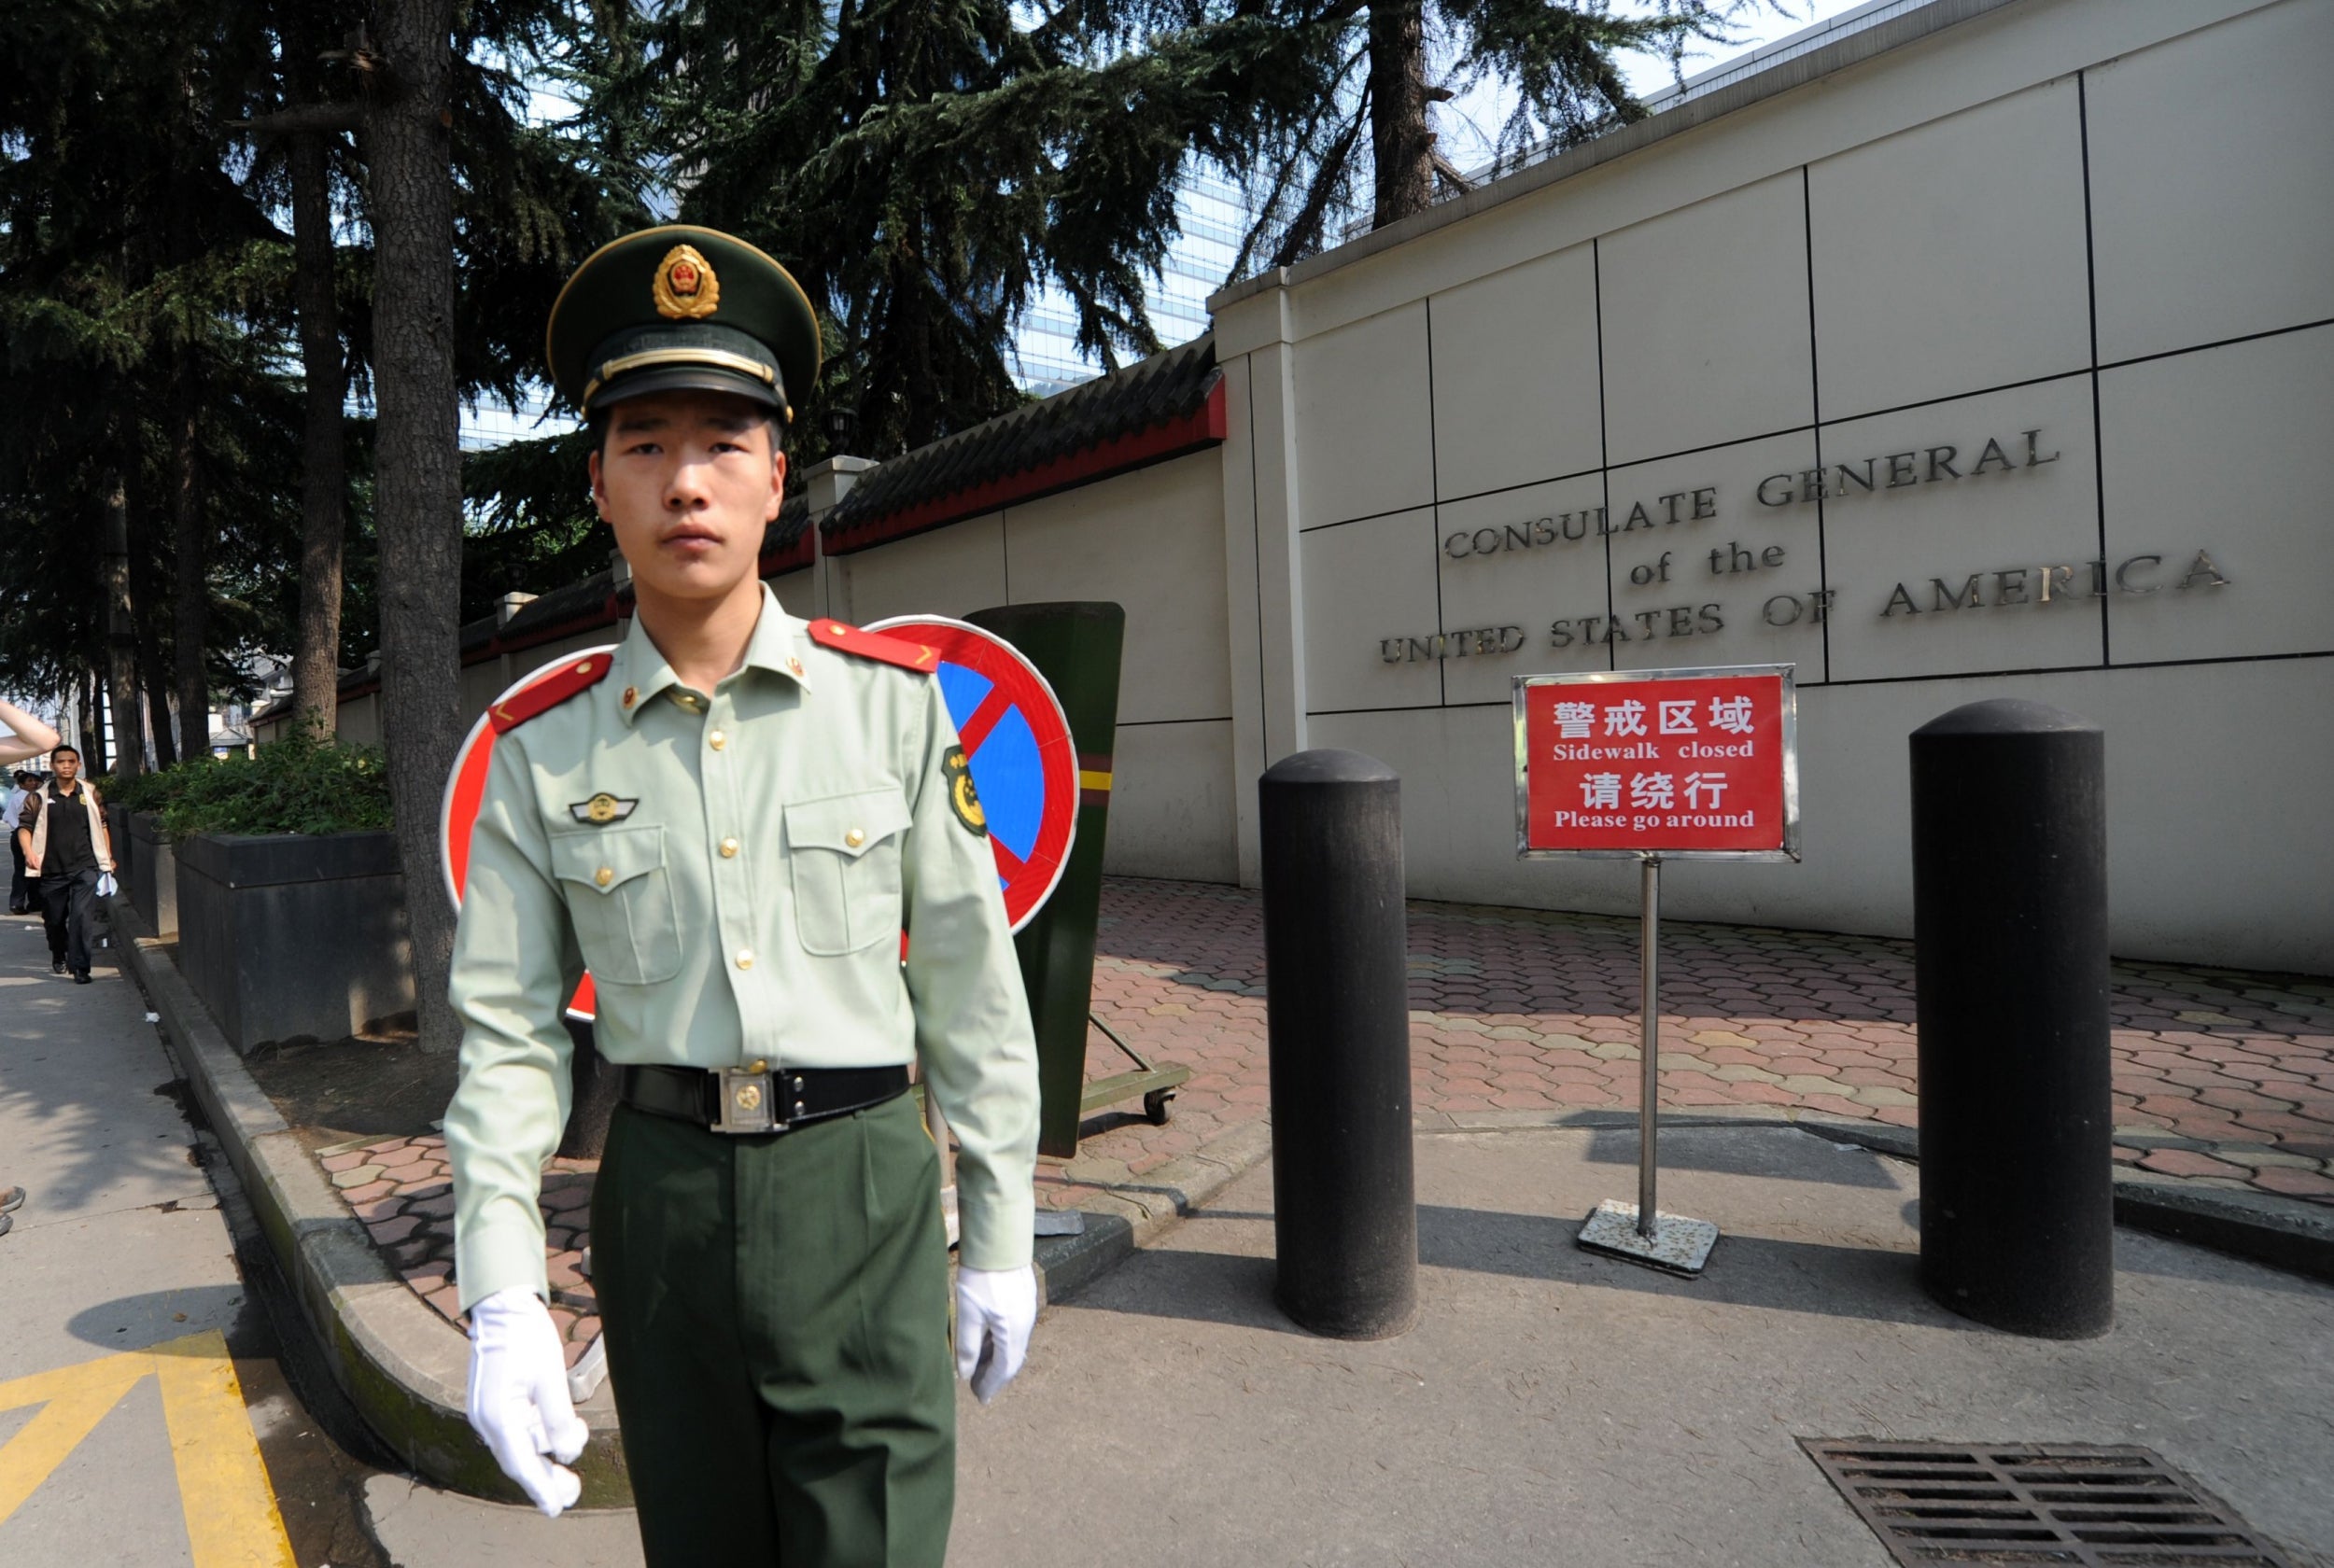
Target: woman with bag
28 737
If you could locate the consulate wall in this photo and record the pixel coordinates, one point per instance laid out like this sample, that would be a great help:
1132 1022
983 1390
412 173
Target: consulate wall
1988 351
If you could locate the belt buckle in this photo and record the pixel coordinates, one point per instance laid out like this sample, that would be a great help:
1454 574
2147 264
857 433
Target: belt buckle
746 1102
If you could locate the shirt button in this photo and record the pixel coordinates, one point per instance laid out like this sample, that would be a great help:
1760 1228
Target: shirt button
855 838
717 740
745 958
729 848
603 877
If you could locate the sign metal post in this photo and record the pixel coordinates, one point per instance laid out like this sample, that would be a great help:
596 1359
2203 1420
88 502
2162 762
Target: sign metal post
1652 766
1648 1037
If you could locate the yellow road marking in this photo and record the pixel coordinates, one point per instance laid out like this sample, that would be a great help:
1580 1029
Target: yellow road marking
78 1398
222 1485
231 1520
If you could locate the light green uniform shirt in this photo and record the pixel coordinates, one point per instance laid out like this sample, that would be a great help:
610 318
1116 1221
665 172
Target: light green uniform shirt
768 844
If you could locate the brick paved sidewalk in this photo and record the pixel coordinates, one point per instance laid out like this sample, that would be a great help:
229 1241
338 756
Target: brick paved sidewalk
2221 1078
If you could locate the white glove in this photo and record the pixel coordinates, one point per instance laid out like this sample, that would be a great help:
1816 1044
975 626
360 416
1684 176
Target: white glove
995 1309
518 1397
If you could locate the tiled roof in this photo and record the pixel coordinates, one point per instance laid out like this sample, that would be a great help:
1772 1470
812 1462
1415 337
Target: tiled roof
1166 404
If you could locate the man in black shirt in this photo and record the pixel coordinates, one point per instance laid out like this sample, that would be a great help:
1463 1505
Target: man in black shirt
67 849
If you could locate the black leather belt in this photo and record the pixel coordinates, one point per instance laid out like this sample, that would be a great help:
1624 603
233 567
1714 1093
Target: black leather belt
737 1099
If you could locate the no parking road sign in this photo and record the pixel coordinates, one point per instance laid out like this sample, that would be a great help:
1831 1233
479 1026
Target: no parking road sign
1024 764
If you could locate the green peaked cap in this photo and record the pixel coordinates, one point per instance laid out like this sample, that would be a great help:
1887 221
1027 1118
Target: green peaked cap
681 306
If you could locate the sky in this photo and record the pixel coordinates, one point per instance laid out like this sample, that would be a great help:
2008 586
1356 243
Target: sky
1469 125
1753 31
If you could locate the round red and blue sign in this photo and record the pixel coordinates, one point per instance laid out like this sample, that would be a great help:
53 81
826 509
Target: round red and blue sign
1014 735
1024 764
466 785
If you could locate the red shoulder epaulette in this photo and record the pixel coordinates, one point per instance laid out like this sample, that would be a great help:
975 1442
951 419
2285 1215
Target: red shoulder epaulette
548 692
873 645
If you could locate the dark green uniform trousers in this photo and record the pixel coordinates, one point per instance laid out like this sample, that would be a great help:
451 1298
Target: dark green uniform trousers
775 1310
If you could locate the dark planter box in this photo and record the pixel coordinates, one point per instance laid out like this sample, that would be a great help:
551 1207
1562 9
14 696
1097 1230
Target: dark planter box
146 866
117 829
292 937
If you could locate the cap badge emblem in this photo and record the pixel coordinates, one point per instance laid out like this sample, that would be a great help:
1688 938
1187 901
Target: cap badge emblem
685 289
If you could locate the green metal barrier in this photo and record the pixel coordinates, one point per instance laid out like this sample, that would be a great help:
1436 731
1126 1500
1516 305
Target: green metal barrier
1077 647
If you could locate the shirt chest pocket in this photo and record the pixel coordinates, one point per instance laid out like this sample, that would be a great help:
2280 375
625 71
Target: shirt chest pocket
619 894
843 854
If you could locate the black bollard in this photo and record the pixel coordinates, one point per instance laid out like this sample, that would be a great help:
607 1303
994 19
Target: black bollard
1345 1211
2010 955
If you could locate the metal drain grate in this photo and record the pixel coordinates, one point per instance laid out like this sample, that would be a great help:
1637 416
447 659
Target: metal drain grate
1933 1503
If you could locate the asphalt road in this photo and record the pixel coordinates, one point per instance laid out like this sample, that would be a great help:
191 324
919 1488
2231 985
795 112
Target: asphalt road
149 1416
1552 1408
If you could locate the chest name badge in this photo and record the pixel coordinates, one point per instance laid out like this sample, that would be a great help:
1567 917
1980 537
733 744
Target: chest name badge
602 809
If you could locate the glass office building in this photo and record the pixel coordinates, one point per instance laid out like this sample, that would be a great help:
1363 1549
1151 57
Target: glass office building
1214 212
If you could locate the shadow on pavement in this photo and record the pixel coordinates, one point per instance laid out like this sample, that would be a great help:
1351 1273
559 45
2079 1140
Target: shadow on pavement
105 1143
137 1323
1865 1283
1874 1284
1737 1156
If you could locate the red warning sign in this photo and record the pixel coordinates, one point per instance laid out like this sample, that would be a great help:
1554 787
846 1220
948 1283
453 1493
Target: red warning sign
1689 763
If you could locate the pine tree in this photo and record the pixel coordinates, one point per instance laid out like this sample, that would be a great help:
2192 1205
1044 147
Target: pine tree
136 277
926 171
476 218
1371 151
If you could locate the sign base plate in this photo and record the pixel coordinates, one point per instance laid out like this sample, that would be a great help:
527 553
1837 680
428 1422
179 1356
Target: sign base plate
1678 1245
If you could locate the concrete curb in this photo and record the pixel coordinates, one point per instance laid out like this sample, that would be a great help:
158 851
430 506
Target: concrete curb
1128 1216
400 1362
2285 1233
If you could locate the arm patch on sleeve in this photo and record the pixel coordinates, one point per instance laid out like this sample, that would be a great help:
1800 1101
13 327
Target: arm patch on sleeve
962 798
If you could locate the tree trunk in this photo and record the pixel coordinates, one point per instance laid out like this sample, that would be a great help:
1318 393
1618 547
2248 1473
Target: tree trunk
1400 144
93 746
324 477
146 595
417 508
121 663
191 627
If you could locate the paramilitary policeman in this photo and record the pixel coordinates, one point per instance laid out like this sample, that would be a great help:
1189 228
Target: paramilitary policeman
760 837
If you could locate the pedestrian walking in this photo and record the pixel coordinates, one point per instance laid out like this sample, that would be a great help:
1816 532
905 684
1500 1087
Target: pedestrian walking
21 788
27 737
759 837
68 850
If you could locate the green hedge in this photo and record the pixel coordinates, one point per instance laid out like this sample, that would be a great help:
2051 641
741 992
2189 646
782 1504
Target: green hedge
146 791
299 785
